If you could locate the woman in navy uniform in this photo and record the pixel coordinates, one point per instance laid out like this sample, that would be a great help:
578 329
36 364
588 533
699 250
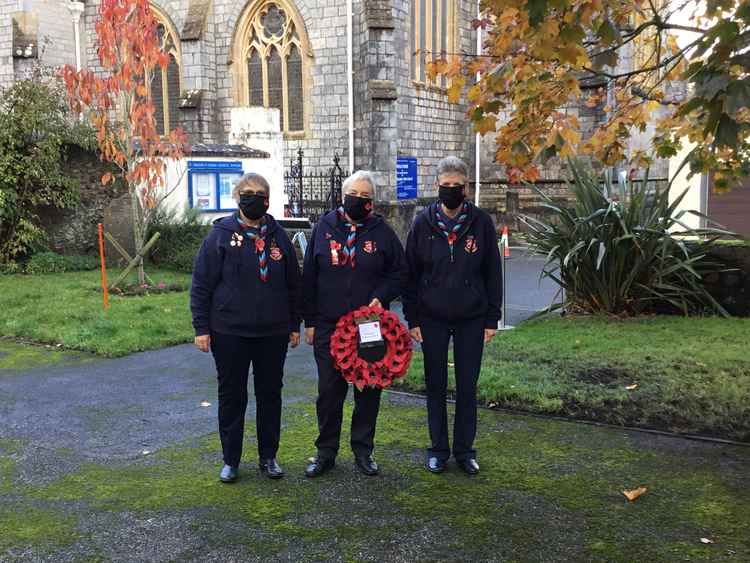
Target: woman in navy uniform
354 259
245 304
454 289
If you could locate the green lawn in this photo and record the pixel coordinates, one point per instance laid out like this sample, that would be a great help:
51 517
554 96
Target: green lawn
692 375
67 309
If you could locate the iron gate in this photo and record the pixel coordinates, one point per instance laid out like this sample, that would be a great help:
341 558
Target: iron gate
312 194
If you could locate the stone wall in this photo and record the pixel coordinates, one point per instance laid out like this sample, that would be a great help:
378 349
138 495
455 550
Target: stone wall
7 8
429 127
74 231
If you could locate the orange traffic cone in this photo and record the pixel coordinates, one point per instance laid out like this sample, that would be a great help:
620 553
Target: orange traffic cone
506 242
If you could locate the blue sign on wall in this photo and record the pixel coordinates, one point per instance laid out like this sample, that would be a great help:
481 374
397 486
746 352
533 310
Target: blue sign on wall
213 164
406 177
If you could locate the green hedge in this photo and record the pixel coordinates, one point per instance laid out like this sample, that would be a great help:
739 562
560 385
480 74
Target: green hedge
51 263
178 245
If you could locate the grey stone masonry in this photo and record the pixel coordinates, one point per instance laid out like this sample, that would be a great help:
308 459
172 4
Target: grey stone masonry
392 114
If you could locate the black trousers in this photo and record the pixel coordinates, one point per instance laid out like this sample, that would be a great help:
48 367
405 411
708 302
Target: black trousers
332 389
468 345
233 356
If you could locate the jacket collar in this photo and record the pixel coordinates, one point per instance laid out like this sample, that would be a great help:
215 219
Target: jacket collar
432 210
230 223
333 221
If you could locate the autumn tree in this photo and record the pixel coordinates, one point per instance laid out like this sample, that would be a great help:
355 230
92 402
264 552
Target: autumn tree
117 102
681 64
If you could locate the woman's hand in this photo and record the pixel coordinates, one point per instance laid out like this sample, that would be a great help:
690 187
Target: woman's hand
294 339
310 335
203 342
416 334
489 334
375 303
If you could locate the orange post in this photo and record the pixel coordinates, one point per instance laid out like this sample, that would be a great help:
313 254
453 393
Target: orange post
104 267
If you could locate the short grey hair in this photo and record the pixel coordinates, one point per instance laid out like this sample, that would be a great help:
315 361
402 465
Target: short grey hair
452 165
365 175
250 179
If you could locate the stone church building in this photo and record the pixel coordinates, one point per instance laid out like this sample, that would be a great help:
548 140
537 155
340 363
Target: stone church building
294 56
291 55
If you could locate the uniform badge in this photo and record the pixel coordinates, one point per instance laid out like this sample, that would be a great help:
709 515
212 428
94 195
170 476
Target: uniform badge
335 247
471 244
236 240
369 246
275 253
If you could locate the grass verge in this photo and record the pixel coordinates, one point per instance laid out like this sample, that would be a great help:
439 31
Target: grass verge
691 375
66 309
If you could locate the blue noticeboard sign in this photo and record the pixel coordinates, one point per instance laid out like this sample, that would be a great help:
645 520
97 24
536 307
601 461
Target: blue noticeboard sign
210 184
406 177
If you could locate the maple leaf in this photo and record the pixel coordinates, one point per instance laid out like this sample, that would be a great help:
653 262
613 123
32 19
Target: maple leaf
633 494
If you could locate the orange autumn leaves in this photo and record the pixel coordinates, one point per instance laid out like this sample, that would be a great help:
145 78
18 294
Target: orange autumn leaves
541 59
117 102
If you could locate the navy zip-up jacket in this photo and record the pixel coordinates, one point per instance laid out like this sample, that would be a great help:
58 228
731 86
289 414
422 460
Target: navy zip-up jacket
331 290
228 296
467 288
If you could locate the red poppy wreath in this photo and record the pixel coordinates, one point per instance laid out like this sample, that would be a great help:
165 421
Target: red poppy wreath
358 371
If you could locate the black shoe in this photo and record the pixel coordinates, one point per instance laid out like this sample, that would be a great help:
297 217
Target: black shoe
469 465
366 465
271 468
318 466
434 465
228 474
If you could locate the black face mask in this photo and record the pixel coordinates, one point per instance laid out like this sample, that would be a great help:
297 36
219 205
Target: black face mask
357 208
451 197
253 206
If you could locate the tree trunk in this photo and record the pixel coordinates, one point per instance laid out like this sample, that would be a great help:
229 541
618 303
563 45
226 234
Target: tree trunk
137 233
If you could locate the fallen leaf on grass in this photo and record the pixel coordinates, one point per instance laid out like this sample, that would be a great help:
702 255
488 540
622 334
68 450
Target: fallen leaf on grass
631 387
635 493
205 404
706 540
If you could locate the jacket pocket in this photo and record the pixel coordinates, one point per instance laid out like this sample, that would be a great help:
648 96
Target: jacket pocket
225 298
272 308
452 303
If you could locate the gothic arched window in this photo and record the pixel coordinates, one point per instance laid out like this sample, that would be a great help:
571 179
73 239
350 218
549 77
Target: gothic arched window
270 48
166 82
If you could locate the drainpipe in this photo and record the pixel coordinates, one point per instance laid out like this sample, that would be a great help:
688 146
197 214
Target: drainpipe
350 79
76 9
478 138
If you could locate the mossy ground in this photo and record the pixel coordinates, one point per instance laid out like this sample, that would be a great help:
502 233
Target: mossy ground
16 357
548 491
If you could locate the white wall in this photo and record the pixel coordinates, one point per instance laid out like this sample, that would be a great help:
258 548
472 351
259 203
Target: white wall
694 198
177 181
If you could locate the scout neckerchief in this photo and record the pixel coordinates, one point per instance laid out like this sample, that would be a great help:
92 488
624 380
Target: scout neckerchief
259 236
451 234
350 250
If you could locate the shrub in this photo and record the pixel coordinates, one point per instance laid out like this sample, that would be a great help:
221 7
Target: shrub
625 251
35 129
53 263
179 240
